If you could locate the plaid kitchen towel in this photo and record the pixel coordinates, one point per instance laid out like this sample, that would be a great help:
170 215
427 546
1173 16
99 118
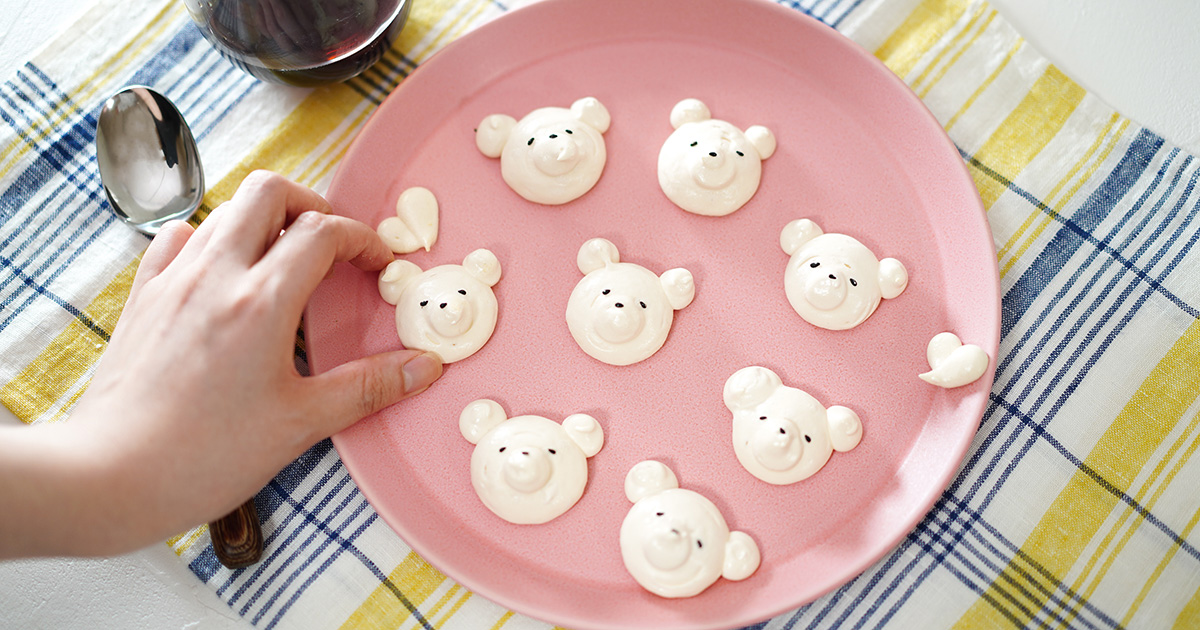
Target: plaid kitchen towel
1075 507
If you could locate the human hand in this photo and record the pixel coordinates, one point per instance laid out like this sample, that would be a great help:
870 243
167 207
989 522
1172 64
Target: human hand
197 403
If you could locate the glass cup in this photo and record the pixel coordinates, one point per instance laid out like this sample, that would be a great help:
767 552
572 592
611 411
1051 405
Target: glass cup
300 42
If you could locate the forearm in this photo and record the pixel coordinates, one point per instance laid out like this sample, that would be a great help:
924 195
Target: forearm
57 497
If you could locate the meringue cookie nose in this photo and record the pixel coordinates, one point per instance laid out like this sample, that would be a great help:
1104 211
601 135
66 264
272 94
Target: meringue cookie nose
713 173
668 549
777 445
619 323
826 290
451 316
527 470
556 157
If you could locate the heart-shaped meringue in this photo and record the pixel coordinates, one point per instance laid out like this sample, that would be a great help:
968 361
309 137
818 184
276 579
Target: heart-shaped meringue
953 363
415 224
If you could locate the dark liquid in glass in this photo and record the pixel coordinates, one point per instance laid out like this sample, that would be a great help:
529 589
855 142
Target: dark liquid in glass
301 42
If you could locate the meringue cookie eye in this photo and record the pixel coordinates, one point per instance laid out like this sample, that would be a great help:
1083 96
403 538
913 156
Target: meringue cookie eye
814 265
853 282
693 144
424 302
462 291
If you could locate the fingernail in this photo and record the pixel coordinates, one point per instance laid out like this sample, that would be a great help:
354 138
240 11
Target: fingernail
421 371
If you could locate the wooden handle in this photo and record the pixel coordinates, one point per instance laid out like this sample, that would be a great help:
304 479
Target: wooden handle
237 537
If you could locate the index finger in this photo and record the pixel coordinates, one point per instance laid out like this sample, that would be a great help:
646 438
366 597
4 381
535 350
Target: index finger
303 255
250 222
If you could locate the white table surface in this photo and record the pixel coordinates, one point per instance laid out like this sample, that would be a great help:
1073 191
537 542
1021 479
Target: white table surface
1137 56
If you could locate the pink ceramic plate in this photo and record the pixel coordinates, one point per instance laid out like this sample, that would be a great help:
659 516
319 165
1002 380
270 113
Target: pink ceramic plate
858 153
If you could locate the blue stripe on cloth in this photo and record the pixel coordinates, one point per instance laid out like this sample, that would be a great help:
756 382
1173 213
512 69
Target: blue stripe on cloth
829 13
268 500
277 560
1040 431
345 544
49 100
167 59
40 290
1066 242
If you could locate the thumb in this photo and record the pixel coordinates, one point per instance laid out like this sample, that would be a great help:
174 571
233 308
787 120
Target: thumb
353 390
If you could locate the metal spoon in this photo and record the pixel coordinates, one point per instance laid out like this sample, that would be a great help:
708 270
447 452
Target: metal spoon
148 159
151 172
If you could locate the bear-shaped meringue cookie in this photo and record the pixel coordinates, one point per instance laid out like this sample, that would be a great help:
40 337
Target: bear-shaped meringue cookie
834 281
675 542
449 309
782 434
620 313
709 166
528 469
553 155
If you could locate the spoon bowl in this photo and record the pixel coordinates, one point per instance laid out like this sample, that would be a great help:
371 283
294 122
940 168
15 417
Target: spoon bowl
148 160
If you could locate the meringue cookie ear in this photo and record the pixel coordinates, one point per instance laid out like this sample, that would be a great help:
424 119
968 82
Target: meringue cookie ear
492 133
741 557
585 431
648 478
480 417
797 233
893 278
595 254
762 139
592 112
679 287
395 277
749 387
845 429
689 110
483 265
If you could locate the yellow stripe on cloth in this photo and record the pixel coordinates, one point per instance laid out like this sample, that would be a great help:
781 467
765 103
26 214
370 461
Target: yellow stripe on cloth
1127 524
181 543
1044 219
925 82
1170 554
923 28
1190 613
503 620
1025 132
991 78
407 586
1081 508
58 369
